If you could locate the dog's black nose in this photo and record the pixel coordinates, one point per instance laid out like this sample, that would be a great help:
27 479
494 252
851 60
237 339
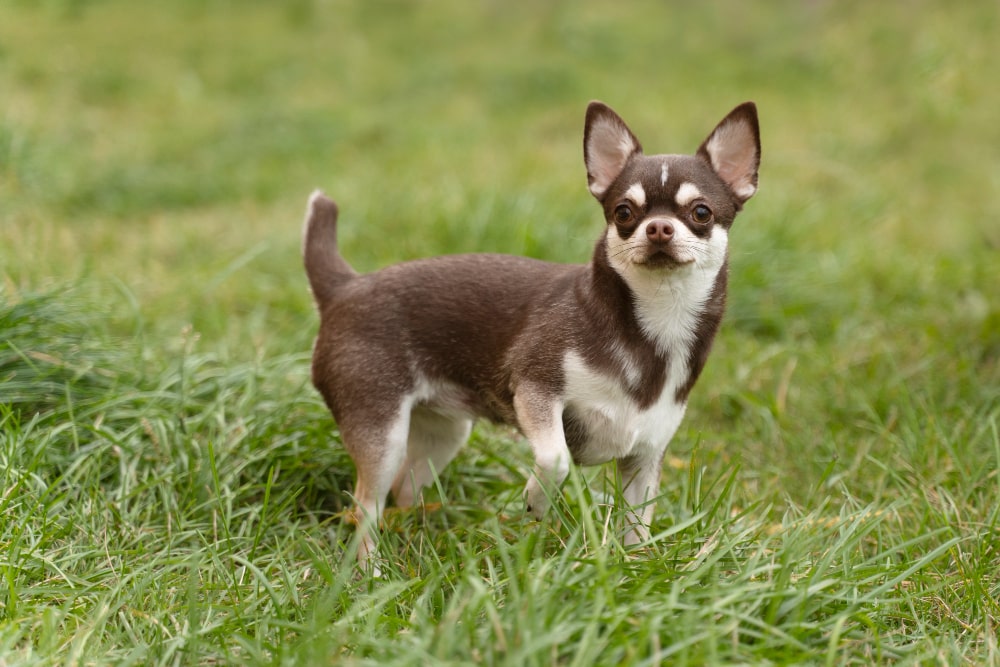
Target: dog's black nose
659 231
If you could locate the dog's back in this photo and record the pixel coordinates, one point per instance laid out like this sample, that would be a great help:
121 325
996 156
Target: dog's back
445 321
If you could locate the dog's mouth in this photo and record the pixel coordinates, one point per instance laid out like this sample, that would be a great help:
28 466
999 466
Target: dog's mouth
661 259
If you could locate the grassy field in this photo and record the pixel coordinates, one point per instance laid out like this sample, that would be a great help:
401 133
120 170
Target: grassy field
171 484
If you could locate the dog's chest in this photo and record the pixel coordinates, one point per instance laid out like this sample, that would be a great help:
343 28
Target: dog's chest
603 419
606 417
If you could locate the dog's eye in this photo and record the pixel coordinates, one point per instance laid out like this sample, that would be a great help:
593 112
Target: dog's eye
623 214
701 214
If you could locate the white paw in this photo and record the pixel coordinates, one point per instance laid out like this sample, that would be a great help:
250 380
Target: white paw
535 500
636 534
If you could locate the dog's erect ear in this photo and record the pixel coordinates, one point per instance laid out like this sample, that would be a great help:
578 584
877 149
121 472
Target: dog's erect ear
733 150
607 146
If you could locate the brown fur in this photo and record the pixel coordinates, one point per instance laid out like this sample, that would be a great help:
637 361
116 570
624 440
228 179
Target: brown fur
406 357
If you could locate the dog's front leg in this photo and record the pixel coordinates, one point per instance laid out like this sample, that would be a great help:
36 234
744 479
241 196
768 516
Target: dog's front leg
539 414
640 475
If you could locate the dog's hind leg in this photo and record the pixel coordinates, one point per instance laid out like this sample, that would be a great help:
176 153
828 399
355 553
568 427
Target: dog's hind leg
434 440
378 451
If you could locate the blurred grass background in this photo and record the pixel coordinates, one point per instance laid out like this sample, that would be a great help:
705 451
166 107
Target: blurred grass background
170 146
161 155
155 160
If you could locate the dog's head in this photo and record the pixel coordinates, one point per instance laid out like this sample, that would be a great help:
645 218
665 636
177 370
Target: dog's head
668 212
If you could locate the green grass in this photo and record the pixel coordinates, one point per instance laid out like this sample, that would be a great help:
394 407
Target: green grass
172 486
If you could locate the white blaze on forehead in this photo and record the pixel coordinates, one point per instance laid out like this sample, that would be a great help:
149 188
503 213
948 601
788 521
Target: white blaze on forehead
663 173
687 193
637 194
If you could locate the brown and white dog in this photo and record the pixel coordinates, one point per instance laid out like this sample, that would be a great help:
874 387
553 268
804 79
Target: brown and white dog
591 362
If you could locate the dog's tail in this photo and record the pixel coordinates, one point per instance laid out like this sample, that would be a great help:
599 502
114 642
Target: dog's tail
326 269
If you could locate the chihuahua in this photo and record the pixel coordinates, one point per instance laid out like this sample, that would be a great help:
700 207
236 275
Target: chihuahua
592 362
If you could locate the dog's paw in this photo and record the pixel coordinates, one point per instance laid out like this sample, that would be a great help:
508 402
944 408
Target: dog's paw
535 501
636 536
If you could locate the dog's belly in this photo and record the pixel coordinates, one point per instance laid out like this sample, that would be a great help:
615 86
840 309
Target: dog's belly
453 400
603 422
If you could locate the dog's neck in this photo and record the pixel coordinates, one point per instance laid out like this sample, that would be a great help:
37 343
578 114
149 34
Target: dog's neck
678 312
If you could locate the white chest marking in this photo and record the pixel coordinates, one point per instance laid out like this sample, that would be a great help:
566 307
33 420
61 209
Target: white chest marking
616 426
